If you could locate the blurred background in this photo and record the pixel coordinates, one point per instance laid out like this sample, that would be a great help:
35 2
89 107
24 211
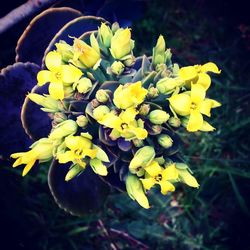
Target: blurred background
216 216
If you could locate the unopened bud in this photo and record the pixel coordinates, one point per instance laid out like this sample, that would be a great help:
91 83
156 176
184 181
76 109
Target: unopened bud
102 96
82 121
174 122
158 116
152 92
59 117
65 50
100 112
167 85
129 60
144 109
138 143
117 68
106 34
165 141
157 129
84 85
115 26
74 171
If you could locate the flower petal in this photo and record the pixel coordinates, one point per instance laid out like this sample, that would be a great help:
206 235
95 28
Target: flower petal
56 90
195 121
206 127
65 157
53 61
187 178
148 183
170 173
210 67
205 107
166 187
188 73
204 80
198 93
70 74
153 169
128 115
43 77
110 120
28 167
181 103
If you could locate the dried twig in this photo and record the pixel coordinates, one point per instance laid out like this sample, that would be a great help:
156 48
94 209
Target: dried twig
23 11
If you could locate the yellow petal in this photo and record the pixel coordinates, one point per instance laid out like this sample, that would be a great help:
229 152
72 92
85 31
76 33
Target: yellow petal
28 167
148 183
111 121
210 67
166 187
188 73
205 107
195 121
140 133
204 80
56 90
206 127
215 104
128 115
43 77
153 169
65 157
198 93
53 61
181 104
70 74
170 173
187 178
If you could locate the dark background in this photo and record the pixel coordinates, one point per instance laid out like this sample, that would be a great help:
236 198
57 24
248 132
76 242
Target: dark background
214 217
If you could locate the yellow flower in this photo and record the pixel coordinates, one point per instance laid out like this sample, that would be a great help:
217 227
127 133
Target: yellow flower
58 75
121 43
194 104
197 74
124 125
40 151
78 148
87 55
129 95
105 34
155 174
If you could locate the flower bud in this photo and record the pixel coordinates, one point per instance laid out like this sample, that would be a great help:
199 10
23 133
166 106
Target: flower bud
82 121
115 26
102 96
84 85
158 116
161 67
100 112
165 141
49 104
144 109
157 129
121 43
167 85
117 67
159 51
59 117
135 190
68 127
129 60
141 159
65 50
105 34
138 143
73 172
152 92
174 122
95 103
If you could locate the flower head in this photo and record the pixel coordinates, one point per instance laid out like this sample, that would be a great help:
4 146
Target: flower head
129 95
40 151
155 174
194 105
58 75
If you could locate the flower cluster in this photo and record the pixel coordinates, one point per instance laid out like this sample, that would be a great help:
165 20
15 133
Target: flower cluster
111 110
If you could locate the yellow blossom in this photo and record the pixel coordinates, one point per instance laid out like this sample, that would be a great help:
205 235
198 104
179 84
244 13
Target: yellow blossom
40 151
194 104
197 74
87 55
155 174
121 43
129 95
124 125
58 75
78 148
